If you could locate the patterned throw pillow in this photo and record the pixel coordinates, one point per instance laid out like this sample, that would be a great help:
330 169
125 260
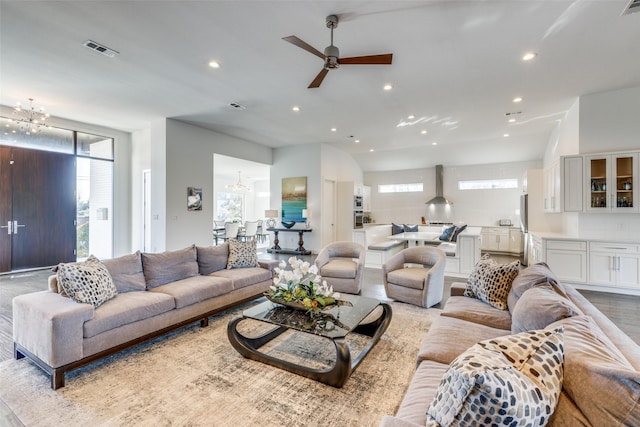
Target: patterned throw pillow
490 282
87 282
447 232
457 231
514 380
242 254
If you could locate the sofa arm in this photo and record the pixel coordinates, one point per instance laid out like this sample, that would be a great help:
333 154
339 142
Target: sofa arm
269 264
50 326
389 421
457 289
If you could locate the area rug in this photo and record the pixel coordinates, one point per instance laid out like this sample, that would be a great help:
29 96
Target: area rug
193 377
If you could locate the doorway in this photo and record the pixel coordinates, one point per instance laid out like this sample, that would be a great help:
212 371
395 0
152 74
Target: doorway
37 208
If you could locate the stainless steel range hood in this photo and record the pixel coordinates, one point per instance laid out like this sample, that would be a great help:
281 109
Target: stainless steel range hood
439 199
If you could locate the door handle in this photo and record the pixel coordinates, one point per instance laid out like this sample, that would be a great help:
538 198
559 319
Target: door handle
16 226
9 227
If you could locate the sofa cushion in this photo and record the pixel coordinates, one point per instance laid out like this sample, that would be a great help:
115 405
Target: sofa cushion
491 282
447 232
169 266
476 311
598 378
410 228
195 289
127 308
242 254
511 380
212 258
126 272
409 277
421 391
540 306
396 229
449 337
243 277
87 282
343 268
531 276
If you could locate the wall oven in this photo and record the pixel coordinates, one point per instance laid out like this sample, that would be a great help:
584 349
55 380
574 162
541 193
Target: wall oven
357 203
357 219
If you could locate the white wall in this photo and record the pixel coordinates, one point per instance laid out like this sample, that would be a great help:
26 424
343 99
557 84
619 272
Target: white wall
565 138
610 121
140 161
474 207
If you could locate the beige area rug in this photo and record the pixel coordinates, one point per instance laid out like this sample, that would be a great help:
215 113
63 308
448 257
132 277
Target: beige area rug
193 377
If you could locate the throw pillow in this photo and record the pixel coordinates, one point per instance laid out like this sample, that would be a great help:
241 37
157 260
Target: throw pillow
531 276
447 231
514 380
242 254
87 282
126 272
491 282
396 229
166 267
410 228
212 258
539 307
457 231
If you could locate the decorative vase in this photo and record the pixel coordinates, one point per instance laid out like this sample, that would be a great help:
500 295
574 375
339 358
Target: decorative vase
288 224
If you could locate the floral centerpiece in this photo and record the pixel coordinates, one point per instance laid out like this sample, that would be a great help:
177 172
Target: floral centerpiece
297 283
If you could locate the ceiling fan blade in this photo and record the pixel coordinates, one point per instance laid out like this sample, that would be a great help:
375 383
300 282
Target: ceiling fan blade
319 78
304 45
383 59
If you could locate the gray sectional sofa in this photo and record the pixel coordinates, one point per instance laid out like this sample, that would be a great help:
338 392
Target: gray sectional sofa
601 381
156 293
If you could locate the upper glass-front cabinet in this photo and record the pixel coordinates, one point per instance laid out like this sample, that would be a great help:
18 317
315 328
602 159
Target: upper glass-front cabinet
612 182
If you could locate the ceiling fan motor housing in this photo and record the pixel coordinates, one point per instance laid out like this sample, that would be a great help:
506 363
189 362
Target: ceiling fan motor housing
332 53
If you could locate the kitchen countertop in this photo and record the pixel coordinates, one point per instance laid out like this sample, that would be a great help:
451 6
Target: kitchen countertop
592 237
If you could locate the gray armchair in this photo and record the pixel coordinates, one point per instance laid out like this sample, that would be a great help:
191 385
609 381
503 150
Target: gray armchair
341 265
421 284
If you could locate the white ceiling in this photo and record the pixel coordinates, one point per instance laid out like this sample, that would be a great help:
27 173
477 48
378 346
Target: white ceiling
456 65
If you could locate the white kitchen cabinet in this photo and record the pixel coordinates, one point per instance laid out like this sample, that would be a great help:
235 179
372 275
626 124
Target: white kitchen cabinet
614 264
536 253
495 239
568 260
612 182
572 184
515 241
551 187
366 198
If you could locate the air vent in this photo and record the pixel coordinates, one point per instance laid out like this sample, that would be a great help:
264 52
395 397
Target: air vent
634 6
237 106
101 48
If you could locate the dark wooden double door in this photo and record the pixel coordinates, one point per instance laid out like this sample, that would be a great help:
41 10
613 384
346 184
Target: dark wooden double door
37 208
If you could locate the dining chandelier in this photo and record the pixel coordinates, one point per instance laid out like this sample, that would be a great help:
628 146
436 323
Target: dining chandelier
238 186
29 120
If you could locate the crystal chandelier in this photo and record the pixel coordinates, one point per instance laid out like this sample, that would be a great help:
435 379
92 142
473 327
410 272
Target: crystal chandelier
29 119
238 186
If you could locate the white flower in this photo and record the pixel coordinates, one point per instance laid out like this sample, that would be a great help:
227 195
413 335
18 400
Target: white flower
313 269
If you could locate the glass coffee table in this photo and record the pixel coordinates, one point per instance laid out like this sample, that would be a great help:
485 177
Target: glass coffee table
354 316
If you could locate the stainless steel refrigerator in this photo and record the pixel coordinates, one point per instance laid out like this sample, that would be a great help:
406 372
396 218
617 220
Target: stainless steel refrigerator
524 226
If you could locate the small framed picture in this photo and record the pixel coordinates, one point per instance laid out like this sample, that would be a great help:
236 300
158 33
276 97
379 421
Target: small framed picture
194 199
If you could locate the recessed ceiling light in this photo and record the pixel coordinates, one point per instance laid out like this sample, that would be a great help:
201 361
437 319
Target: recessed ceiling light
295 108
529 56
434 143
517 99
424 132
506 135
512 120
333 129
214 64
357 141
411 117
387 87
371 150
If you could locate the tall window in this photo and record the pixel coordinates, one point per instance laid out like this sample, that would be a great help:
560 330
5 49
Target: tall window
229 206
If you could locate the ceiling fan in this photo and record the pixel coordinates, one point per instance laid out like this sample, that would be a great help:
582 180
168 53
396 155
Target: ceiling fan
331 55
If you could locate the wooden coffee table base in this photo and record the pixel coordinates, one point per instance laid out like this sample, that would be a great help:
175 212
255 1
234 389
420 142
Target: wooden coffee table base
343 367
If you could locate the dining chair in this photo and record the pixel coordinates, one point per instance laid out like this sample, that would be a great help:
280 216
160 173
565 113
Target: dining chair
250 230
218 231
231 230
